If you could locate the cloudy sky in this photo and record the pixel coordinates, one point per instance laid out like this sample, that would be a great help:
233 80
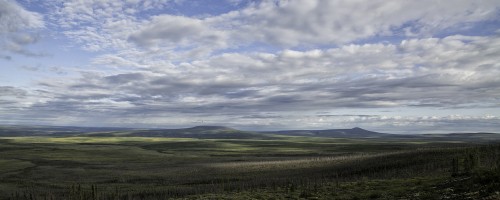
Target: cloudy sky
401 66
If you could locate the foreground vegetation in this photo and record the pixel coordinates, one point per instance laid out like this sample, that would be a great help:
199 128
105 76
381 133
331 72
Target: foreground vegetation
276 168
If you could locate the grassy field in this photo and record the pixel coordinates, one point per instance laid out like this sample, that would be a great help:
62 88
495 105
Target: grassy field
278 168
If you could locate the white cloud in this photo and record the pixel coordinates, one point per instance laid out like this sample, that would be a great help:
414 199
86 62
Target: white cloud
15 26
116 25
102 25
15 18
320 22
307 23
178 32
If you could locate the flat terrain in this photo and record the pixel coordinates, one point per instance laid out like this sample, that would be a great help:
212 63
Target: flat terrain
278 167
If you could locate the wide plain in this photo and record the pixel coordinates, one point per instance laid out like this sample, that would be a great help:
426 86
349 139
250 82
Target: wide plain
277 167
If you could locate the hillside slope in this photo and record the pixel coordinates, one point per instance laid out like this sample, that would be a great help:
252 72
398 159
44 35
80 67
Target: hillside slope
334 133
204 132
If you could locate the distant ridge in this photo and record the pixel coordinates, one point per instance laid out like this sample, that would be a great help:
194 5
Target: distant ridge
334 133
222 132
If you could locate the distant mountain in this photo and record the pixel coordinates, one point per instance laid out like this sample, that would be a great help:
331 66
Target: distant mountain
221 132
334 133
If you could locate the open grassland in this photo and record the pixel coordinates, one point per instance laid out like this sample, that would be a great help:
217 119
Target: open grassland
277 168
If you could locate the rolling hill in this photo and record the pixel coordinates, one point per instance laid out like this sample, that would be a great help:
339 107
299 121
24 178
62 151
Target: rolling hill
204 132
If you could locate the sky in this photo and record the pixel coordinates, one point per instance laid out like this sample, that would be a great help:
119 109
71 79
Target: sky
397 66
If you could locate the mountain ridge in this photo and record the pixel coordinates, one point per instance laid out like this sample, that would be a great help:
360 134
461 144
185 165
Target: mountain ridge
223 132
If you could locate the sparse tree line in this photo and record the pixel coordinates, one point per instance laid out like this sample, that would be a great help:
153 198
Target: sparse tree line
457 162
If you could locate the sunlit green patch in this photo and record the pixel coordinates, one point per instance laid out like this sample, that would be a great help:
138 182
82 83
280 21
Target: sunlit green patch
92 139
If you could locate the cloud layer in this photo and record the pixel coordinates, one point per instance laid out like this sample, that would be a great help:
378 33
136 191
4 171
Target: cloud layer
269 65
